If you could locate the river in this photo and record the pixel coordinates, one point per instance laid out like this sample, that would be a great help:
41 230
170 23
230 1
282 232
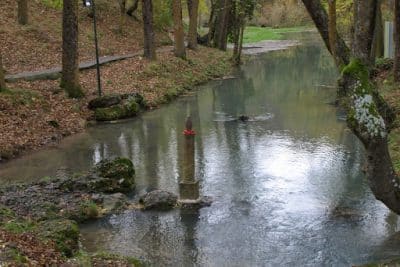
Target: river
287 185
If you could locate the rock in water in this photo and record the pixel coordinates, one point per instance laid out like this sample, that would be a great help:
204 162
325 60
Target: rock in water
116 175
159 200
243 118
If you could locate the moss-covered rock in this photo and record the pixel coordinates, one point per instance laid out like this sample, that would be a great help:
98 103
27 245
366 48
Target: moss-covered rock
159 200
127 108
105 101
65 233
116 175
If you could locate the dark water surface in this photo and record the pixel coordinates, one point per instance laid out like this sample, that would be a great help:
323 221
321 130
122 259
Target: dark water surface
287 185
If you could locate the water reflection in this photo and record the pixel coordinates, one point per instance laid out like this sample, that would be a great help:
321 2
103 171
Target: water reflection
287 185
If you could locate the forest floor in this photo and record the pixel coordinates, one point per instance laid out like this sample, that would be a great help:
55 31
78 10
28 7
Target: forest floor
37 113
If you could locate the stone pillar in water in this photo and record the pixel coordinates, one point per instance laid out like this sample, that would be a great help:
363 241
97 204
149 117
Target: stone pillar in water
188 186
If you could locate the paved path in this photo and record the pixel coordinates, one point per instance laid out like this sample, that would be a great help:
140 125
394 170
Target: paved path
55 73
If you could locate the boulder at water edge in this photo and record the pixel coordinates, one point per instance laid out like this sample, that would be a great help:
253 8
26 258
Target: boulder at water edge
159 200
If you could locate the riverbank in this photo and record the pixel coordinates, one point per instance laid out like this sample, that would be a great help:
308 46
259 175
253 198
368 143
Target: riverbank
36 114
39 221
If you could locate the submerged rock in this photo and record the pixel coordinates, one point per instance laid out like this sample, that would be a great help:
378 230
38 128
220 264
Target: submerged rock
243 118
159 200
202 202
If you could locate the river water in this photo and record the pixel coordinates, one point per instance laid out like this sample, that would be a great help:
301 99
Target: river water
287 185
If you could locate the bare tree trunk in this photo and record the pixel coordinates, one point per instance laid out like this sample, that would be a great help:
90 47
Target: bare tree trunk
332 27
2 78
221 37
122 15
378 43
149 43
179 35
212 23
397 40
23 12
193 7
320 18
70 59
364 26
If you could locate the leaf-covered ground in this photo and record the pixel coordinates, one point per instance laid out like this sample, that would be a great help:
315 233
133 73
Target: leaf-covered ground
36 114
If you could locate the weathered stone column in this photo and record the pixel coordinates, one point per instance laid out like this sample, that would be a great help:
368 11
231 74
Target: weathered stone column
189 186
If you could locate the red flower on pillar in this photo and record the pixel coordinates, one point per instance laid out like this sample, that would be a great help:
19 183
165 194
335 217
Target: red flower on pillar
189 132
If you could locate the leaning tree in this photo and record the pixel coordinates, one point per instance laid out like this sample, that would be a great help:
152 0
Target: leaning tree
368 115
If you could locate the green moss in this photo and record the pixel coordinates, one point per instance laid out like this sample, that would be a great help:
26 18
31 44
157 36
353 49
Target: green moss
111 256
19 226
65 233
17 257
21 97
117 168
357 70
118 174
6 214
89 210
121 111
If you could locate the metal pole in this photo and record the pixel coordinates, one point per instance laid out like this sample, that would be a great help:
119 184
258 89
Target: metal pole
97 48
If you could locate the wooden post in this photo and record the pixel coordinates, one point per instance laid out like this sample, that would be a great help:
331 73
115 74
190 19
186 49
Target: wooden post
189 186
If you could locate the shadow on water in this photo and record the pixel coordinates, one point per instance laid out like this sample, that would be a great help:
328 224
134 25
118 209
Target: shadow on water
287 184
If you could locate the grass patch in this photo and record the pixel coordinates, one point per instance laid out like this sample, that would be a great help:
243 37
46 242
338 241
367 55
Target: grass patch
254 34
19 226
20 97
115 257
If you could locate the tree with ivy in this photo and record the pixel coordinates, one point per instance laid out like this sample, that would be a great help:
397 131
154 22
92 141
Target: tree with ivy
369 116
241 12
70 59
219 24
